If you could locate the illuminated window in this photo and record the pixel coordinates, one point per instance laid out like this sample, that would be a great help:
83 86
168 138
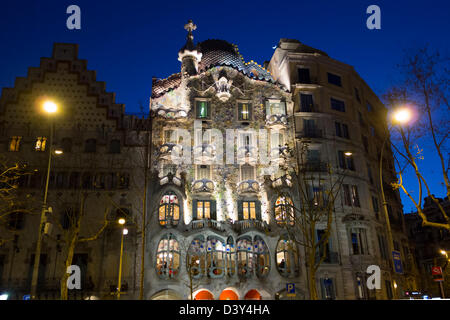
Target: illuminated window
284 210
287 257
262 257
230 253
169 209
168 257
14 144
245 257
40 144
249 210
196 265
204 209
244 111
215 257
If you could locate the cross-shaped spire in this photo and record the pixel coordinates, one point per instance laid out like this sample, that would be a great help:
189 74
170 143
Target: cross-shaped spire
190 26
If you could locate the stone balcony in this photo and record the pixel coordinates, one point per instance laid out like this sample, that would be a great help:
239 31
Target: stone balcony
204 152
170 151
248 186
276 120
203 185
283 181
247 154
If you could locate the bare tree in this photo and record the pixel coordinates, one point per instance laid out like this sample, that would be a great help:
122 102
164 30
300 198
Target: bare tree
318 187
424 88
13 203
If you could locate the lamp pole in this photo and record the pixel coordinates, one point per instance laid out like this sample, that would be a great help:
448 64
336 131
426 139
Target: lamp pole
119 285
37 254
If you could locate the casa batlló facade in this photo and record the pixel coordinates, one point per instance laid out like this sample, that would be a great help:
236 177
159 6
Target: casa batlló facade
222 141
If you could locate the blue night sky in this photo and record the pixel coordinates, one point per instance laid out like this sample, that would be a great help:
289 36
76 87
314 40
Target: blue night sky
129 42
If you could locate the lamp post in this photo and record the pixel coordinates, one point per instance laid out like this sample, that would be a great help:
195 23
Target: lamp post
50 108
400 116
441 285
121 221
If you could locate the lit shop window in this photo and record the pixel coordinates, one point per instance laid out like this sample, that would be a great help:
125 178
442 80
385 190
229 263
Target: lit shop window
169 209
14 144
40 144
168 257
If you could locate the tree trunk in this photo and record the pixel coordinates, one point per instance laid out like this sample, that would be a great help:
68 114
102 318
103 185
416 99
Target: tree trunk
312 276
68 263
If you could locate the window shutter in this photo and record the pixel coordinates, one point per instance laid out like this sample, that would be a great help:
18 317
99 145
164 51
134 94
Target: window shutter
213 210
194 209
258 210
240 211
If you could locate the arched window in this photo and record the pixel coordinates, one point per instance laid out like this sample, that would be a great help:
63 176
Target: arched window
287 257
215 257
262 257
196 258
284 210
169 209
245 257
231 257
168 257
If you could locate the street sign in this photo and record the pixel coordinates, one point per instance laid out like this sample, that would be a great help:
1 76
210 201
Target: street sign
397 261
436 272
290 288
27 297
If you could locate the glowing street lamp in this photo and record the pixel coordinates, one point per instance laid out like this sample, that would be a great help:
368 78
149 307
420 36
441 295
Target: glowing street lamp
402 115
50 106
121 221
348 154
119 285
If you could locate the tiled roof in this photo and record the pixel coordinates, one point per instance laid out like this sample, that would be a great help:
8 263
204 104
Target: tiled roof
215 53
222 53
159 87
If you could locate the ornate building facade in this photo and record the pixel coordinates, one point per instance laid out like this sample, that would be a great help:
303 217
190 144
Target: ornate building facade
214 231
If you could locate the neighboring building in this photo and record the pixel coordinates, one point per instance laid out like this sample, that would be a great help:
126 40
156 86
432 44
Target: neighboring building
102 150
429 242
214 226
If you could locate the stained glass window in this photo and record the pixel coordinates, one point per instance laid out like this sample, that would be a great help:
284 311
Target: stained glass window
169 209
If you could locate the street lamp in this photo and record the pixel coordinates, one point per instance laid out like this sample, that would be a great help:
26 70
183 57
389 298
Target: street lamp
400 116
124 233
50 108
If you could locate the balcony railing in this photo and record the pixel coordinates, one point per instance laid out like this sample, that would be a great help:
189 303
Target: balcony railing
203 185
276 119
331 258
314 166
243 225
310 133
206 223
